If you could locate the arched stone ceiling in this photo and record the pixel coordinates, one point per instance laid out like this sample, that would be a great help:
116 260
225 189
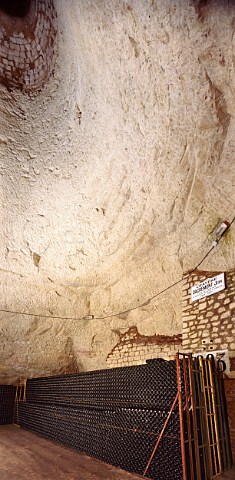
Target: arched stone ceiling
117 163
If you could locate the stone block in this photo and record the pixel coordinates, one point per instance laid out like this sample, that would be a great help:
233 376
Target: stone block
222 295
191 317
202 306
221 309
193 335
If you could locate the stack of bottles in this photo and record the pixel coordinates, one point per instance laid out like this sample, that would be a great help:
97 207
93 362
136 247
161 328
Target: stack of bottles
7 401
115 415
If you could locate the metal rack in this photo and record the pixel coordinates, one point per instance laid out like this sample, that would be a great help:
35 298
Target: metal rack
205 444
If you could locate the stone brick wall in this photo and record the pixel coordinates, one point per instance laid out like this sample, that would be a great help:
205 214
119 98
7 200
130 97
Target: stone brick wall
209 323
135 349
27 46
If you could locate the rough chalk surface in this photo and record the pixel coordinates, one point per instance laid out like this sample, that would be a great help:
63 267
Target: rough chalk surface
113 177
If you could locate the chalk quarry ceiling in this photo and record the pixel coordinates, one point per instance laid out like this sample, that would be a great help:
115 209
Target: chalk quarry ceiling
117 163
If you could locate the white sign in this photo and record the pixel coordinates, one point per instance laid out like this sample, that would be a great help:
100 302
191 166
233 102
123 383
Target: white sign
208 287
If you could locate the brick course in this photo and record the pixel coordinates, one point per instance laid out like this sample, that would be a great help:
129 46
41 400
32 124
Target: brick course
135 349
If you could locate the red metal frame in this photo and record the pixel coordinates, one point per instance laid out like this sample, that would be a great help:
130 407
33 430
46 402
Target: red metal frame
181 417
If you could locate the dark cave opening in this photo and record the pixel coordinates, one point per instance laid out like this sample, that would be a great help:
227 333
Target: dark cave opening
15 8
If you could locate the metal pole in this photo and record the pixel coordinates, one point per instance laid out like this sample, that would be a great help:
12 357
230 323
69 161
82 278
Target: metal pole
177 360
194 418
161 434
187 408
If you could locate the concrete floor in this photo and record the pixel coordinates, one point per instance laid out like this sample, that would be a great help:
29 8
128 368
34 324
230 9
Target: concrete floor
29 457
26 456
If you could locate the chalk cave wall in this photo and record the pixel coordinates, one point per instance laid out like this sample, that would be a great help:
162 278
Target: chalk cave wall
117 163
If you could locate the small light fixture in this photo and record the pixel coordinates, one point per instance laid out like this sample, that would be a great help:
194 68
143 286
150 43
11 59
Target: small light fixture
88 317
222 227
219 231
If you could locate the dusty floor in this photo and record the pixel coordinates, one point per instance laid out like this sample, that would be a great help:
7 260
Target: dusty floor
28 457
228 475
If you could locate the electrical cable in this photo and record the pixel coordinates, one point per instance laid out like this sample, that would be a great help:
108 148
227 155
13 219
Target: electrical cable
147 302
